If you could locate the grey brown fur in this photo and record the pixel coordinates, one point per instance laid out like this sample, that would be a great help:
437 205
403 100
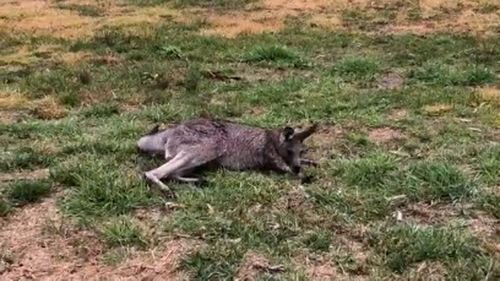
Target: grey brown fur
200 142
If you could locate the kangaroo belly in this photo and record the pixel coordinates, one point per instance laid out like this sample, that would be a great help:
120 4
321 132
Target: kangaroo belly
237 162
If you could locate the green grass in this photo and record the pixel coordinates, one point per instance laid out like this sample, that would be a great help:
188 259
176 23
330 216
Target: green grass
405 245
299 75
5 208
280 55
25 158
357 68
318 241
24 192
122 232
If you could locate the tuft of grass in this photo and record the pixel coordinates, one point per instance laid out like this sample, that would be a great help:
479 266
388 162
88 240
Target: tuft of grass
171 51
115 256
212 265
5 208
489 163
49 82
104 189
439 181
275 54
24 192
438 73
192 79
490 203
357 68
121 232
101 110
25 158
71 99
369 172
404 245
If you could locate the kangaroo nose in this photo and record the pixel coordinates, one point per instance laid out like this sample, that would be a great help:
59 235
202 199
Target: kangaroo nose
296 169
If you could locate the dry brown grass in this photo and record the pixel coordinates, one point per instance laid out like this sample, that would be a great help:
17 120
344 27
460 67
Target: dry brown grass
48 108
45 18
489 95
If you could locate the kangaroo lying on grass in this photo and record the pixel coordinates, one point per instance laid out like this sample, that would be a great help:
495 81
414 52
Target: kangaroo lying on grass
206 142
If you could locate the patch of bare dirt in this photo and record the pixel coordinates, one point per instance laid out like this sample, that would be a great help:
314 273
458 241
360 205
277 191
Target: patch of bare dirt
253 265
424 213
37 243
265 16
159 264
484 225
385 135
428 214
322 272
323 141
42 248
390 81
426 271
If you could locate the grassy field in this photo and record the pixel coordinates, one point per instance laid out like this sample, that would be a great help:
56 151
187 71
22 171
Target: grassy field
407 95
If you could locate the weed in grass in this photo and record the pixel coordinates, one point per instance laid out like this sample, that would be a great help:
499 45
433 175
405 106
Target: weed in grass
403 245
122 232
24 192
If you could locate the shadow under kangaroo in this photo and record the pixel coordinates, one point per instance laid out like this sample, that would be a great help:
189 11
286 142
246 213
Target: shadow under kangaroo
210 143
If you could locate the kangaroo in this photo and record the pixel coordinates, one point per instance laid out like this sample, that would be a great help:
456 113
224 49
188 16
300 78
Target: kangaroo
209 142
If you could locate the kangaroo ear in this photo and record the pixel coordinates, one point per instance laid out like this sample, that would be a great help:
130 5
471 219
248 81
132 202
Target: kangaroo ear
307 132
287 133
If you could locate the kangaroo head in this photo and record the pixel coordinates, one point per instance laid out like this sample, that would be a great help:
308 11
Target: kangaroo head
291 147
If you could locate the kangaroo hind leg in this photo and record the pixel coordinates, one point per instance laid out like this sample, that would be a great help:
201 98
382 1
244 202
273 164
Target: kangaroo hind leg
178 162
